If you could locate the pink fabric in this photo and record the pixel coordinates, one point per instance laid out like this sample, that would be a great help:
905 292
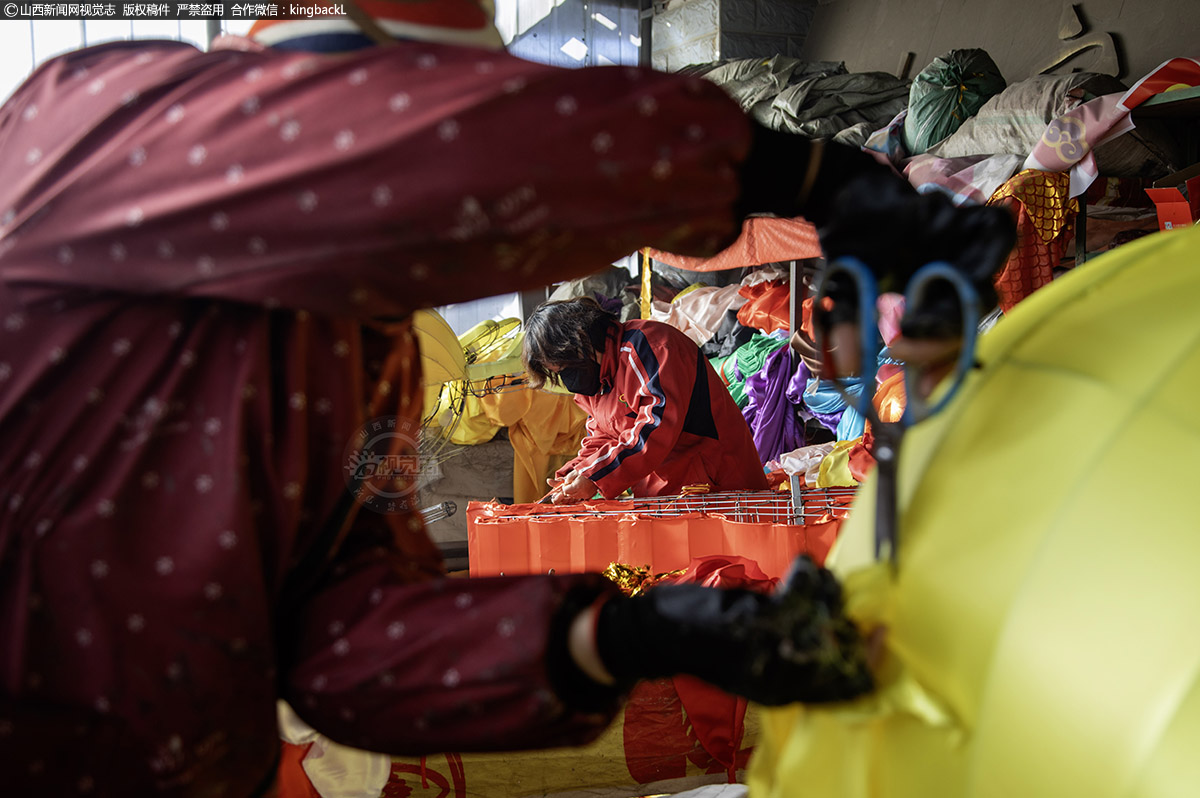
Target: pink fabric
969 180
890 307
700 312
1070 142
192 249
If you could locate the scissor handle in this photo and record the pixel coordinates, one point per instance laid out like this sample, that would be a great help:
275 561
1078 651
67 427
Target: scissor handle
864 282
915 408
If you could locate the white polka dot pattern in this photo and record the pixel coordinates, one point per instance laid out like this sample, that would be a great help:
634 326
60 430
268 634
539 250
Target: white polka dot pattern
179 461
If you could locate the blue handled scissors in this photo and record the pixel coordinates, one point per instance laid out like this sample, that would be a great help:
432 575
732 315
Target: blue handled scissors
889 435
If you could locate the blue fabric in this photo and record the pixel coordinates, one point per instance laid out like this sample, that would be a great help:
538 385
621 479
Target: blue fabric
824 400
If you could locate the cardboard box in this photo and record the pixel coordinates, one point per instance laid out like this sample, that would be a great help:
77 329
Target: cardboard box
1174 209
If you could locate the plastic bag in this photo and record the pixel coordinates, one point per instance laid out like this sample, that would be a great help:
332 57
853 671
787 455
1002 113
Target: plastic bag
947 93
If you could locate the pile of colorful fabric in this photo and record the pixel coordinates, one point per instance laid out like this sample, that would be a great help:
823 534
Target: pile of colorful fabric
1039 146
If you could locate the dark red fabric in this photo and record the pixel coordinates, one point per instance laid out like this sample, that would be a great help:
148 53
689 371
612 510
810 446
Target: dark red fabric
658 428
192 248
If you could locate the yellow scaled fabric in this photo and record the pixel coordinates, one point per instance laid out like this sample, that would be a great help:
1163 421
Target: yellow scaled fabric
1042 623
1046 197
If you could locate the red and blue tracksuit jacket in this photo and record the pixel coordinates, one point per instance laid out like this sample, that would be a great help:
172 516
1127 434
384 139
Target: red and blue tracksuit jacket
663 419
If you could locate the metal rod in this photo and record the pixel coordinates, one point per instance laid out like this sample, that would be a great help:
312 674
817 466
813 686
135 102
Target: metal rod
743 506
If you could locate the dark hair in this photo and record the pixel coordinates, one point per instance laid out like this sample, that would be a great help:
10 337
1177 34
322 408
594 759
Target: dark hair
564 334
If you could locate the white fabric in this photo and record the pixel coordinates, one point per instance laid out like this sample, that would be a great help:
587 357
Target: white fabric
699 312
716 791
335 770
805 461
765 274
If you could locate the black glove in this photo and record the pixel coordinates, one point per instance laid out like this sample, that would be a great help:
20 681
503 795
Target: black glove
794 645
885 223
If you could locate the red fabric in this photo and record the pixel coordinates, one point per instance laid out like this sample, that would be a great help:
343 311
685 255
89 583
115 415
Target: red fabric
806 317
763 240
1171 74
1031 264
727 570
861 461
293 781
192 246
532 538
671 722
767 306
1045 216
443 775
665 421
820 537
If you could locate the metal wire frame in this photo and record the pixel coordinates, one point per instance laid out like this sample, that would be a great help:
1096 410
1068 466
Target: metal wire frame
798 506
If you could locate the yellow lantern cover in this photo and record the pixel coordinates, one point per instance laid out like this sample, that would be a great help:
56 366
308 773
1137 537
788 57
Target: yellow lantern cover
1043 623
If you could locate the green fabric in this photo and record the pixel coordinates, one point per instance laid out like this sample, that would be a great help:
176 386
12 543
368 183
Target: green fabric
748 359
947 93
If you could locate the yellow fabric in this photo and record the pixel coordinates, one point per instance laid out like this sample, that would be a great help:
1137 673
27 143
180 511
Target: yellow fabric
1042 618
647 298
596 770
491 340
542 427
441 354
835 466
687 291
1046 197
460 412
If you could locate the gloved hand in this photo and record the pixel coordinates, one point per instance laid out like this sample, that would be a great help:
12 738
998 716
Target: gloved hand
793 645
885 223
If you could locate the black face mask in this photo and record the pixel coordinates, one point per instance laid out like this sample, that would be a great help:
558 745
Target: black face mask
584 379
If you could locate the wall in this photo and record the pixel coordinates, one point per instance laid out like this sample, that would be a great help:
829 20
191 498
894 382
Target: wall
752 28
686 33
703 31
469 473
1020 35
594 33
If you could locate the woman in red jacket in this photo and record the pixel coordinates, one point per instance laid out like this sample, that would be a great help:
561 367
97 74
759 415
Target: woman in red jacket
659 418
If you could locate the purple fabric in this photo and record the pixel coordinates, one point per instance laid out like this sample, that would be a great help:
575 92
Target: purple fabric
610 304
795 394
769 412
